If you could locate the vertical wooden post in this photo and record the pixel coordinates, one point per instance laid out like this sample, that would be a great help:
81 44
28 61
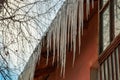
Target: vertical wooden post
112 21
100 28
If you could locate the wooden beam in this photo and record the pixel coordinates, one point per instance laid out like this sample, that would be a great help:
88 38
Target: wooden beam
115 43
100 33
104 7
112 20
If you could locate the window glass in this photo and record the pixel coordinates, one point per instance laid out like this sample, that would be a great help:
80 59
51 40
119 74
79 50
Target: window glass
117 17
104 2
106 30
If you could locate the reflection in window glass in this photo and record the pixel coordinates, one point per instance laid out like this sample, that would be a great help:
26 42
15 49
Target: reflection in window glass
117 17
104 2
106 24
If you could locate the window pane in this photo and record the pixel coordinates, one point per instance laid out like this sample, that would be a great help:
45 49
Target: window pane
103 2
117 17
106 25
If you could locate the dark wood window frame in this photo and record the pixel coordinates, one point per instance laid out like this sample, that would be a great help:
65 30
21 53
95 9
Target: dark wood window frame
102 9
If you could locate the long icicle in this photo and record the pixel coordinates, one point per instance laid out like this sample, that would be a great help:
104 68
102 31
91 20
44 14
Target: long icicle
79 27
82 15
87 8
48 47
63 48
68 23
71 27
65 38
74 30
61 42
58 37
92 3
39 51
54 41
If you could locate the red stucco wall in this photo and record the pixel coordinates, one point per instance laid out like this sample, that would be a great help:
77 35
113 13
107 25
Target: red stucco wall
88 55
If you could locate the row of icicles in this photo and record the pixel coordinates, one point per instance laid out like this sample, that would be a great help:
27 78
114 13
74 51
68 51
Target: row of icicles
62 31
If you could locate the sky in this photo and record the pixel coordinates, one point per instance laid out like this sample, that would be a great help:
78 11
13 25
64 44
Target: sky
23 49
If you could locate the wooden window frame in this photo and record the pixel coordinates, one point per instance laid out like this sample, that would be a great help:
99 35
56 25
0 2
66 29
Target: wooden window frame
102 9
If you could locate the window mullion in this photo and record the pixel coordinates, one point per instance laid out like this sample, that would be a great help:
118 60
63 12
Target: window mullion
104 7
112 20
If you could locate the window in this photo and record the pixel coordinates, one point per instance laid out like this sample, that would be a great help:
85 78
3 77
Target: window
104 27
117 17
109 27
104 2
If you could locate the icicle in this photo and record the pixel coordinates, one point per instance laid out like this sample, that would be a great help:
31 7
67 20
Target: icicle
68 34
65 38
48 45
61 43
28 74
79 27
50 36
82 15
61 34
54 39
71 14
68 25
33 63
74 25
87 8
39 51
92 3
58 36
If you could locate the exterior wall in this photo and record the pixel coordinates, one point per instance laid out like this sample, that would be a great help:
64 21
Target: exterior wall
87 57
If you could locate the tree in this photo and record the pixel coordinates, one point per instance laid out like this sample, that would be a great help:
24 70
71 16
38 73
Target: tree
22 23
